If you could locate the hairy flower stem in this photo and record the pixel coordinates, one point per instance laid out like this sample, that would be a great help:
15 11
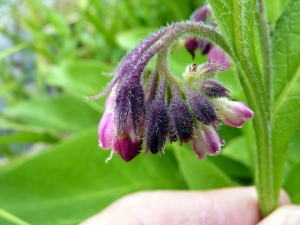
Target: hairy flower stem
163 67
169 35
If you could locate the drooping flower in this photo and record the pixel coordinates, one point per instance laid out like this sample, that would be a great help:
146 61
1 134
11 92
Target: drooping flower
158 107
128 143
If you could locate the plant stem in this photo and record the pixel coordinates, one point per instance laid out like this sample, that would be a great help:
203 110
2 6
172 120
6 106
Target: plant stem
264 40
263 151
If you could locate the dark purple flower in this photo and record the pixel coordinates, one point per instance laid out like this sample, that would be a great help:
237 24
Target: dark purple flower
129 100
157 121
156 127
203 110
213 89
181 121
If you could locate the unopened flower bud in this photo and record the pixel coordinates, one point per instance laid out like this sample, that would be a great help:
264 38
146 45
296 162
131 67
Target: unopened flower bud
232 113
196 72
157 121
201 14
106 129
217 55
127 147
191 44
202 108
213 89
206 140
130 98
181 122
156 126
204 46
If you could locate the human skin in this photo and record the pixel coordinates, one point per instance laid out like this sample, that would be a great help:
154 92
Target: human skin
228 206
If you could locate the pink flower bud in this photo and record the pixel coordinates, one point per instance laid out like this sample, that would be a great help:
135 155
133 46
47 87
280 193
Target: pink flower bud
206 140
216 54
232 113
106 130
127 147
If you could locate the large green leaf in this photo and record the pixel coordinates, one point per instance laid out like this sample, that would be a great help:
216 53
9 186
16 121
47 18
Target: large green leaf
286 81
26 137
224 11
81 79
237 149
238 29
292 184
273 9
203 174
70 182
293 152
131 38
64 113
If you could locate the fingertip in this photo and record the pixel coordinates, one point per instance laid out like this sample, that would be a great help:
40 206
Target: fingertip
284 198
284 215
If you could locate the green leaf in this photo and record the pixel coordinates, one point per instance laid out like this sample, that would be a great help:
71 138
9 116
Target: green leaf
71 182
64 113
204 174
27 137
273 9
293 152
237 171
12 50
223 11
286 81
237 149
81 79
131 38
292 184
286 49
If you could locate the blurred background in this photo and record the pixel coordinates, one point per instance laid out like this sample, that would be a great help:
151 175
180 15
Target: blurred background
52 55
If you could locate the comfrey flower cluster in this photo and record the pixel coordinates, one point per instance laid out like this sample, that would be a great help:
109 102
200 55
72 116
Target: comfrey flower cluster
159 107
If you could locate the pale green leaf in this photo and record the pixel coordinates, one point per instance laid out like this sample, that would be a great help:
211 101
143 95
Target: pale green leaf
81 79
273 9
131 38
63 113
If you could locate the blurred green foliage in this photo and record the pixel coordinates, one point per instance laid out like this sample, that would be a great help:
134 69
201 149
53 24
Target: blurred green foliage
52 171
